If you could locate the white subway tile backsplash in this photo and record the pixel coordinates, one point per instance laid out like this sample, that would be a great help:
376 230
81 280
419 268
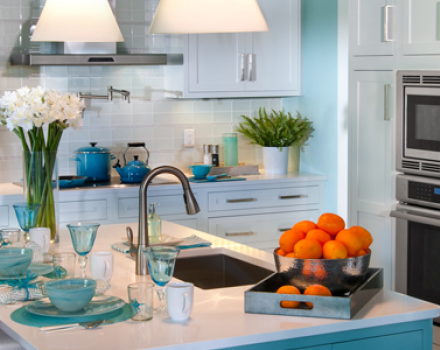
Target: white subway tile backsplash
149 118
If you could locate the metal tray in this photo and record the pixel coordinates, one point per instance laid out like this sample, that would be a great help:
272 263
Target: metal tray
263 299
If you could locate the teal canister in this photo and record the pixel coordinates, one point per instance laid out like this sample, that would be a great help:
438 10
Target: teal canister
230 149
154 225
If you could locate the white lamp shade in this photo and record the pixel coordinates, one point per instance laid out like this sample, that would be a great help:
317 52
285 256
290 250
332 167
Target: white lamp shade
207 16
77 21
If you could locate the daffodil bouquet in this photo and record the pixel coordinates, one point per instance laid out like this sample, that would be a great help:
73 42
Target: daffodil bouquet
39 117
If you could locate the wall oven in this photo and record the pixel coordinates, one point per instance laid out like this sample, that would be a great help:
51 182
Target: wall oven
417 271
418 122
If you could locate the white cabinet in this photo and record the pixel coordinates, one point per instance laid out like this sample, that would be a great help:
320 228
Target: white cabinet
4 215
421 27
371 160
372 27
247 64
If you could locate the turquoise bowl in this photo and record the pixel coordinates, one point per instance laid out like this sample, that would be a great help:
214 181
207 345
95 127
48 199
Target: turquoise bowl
15 261
200 170
70 295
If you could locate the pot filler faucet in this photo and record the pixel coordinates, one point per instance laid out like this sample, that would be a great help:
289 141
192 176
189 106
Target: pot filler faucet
109 95
191 205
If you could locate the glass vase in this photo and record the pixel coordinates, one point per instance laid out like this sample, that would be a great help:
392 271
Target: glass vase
40 185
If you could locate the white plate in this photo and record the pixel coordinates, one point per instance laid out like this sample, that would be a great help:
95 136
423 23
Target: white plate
99 305
166 240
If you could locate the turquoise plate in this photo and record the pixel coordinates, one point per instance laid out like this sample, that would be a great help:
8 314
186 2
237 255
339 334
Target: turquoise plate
37 268
99 305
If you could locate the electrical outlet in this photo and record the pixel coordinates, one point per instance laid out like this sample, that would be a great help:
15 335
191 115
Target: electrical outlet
189 138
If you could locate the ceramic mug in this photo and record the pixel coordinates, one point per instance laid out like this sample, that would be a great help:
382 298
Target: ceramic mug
101 265
41 236
180 299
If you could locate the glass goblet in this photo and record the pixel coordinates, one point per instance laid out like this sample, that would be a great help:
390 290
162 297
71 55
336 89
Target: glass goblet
83 237
27 214
161 261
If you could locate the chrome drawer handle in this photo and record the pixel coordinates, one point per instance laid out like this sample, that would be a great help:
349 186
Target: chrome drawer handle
241 200
235 234
284 229
293 197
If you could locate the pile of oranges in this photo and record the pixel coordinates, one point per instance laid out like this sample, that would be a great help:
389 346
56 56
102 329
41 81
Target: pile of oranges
327 239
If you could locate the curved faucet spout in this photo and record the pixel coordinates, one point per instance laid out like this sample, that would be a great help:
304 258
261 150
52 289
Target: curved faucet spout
191 205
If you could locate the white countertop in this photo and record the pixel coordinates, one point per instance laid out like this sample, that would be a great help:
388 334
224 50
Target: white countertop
7 189
218 319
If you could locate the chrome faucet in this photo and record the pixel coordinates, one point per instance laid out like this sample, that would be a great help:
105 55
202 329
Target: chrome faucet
191 205
109 95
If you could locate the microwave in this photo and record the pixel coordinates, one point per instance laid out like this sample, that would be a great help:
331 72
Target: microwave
418 122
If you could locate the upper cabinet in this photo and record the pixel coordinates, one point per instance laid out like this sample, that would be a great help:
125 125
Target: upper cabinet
372 27
247 64
421 27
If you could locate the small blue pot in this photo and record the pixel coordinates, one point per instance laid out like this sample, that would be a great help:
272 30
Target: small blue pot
94 162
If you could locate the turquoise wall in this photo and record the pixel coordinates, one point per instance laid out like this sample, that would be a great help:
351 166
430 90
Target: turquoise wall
318 100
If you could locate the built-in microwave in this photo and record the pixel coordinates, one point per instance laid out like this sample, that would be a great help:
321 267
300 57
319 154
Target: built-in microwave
418 122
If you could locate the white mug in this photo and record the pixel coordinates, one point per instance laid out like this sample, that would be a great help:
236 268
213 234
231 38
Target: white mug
41 236
101 265
180 299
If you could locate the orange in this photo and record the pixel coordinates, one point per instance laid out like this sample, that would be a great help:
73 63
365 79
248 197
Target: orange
290 255
334 250
289 238
288 290
308 248
367 239
317 289
281 252
361 252
331 223
320 235
351 240
305 226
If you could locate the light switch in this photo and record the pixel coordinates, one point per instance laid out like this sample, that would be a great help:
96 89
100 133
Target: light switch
189 138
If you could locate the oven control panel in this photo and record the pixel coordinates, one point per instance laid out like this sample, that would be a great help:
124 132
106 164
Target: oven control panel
418 190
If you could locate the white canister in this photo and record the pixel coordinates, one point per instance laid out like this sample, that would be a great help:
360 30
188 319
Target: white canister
41 236
275 161
101 265
180 299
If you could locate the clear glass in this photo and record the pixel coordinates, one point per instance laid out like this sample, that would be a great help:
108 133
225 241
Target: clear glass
83 237
40 185
161 261
140 297
230 149
64 265
10 235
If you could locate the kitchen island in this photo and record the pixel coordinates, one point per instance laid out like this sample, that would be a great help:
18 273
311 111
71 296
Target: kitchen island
389 321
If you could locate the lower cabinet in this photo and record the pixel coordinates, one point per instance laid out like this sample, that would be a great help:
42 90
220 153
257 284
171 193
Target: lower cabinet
258 231
93 210
4 215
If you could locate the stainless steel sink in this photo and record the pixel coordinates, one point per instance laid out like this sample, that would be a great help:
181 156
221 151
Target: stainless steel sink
218 271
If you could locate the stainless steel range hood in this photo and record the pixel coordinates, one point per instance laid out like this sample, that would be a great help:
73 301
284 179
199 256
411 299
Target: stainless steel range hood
91 59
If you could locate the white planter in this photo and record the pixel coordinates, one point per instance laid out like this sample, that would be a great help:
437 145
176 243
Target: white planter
275 161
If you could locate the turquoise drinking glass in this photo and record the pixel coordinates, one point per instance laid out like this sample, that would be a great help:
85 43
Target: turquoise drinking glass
26 214
161 261
83 237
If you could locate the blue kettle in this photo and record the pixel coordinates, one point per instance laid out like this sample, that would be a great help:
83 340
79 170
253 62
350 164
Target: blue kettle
134 171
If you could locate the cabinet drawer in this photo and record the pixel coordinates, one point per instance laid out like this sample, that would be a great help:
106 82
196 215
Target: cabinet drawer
190 222
168 205
4 215
259 231
253 199
83 210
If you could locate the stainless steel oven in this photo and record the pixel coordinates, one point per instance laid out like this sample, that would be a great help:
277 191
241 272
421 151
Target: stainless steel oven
417 263
418 122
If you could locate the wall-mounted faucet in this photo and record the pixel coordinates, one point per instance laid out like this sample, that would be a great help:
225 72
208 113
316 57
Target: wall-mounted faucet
109 95
191 206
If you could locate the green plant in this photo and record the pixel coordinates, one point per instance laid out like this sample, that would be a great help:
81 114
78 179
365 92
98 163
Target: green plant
276 129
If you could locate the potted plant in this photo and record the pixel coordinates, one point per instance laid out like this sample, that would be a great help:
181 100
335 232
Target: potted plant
276 132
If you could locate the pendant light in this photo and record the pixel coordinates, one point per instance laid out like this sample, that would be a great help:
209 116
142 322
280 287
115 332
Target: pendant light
207 16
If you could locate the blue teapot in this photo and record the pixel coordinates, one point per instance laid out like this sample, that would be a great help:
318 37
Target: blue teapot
134 171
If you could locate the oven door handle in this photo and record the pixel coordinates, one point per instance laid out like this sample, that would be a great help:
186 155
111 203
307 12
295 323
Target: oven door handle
416 217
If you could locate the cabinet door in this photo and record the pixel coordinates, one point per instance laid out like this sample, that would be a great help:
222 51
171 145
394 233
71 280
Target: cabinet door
274 56
372 27
404 341
421 27
370 161
217 62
